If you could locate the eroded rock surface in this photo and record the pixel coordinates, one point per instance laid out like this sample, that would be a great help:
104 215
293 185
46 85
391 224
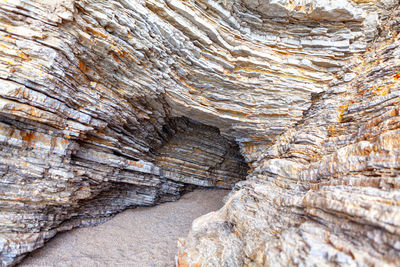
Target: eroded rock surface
106 105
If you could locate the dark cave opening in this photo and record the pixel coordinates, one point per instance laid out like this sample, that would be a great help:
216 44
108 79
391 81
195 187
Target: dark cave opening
191 155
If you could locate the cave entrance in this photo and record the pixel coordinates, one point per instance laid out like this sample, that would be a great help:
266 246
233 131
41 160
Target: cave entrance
192 156
197 154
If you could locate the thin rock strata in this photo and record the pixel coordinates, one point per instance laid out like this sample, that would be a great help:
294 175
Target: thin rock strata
106 105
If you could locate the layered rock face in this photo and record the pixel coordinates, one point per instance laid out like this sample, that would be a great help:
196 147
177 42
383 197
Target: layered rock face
106 105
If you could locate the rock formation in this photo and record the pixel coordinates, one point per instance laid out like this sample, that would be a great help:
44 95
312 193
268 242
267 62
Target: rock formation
106 105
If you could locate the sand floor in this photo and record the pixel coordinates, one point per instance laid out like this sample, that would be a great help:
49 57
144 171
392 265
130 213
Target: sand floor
136 237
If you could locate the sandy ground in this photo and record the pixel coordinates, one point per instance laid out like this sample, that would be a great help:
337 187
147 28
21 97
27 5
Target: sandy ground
136 237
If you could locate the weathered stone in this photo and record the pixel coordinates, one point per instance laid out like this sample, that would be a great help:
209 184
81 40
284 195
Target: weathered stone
106 105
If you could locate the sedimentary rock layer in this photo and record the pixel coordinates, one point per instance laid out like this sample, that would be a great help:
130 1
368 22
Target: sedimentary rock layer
111 104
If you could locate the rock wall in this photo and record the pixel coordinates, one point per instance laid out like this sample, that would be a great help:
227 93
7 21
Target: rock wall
112 104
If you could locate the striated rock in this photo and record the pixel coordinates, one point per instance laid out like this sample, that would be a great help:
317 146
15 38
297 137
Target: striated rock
106 105
326 193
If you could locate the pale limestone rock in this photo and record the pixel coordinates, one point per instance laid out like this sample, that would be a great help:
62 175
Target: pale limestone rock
106 105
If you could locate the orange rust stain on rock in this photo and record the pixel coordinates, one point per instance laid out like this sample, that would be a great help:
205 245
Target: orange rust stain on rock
342 109
11 132
197 150
137 164
232 112
250 148
28 137
281 52
34 113
382 90
23 56
397 76
312 213
394 112
181 261
367 151
98 140
10 37
116 58
95 32
182 80
237 233
133 59
82 66
120 52
64 141
332 129
11 63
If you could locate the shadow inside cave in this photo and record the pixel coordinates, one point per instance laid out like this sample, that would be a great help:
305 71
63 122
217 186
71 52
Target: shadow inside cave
196 153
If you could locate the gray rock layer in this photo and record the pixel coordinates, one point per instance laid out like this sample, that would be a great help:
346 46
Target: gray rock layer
106 105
